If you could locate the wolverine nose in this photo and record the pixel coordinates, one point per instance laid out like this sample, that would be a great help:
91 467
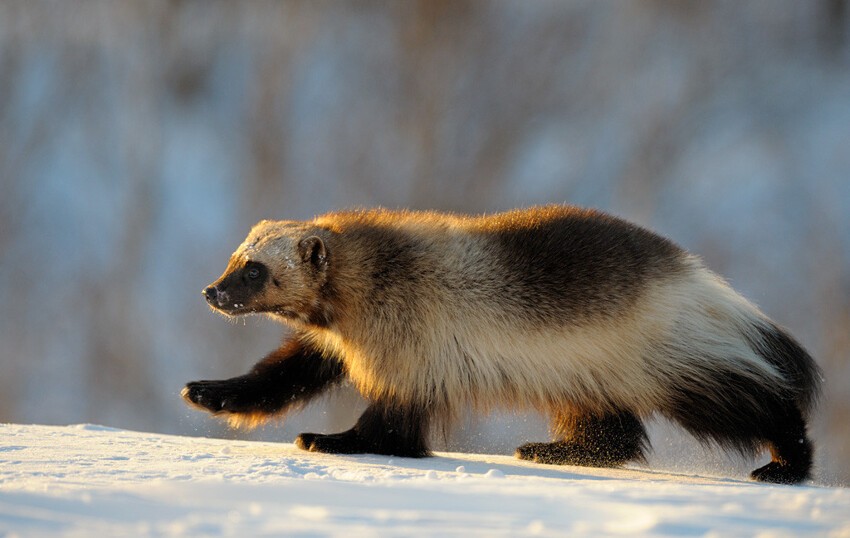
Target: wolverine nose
211 293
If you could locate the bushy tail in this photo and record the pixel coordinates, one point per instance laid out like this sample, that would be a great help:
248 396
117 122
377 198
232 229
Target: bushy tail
795 364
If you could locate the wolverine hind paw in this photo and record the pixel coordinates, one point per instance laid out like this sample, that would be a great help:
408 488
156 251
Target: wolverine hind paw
777 473
338 443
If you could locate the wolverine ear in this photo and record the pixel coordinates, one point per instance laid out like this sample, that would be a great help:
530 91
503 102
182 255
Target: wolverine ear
313 249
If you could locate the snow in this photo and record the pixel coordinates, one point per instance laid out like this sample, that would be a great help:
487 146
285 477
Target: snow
87 480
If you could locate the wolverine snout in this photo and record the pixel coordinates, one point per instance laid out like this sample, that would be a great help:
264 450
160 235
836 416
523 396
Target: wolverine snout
215 296
210 294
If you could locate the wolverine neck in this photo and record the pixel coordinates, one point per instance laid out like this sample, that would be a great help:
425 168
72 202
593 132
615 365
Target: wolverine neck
341 292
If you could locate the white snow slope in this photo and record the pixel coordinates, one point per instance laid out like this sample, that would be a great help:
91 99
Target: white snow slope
94 481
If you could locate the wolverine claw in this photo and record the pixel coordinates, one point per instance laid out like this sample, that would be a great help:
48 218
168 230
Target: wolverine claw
196 394
305 440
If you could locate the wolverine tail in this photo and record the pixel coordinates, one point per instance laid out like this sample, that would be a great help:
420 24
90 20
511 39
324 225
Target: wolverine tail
783 352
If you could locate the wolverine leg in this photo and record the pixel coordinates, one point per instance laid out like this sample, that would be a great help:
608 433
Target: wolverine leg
291 374
382 429
607 440
739 414
791 450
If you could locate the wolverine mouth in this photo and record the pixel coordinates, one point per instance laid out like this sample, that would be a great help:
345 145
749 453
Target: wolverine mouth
220 301
236 309
291 314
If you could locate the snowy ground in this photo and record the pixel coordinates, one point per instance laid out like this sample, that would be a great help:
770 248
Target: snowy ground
94 481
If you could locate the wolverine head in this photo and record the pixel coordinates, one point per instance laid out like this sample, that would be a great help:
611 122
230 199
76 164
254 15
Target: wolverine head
280 269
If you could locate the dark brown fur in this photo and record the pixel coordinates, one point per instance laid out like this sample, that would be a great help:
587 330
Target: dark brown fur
573 312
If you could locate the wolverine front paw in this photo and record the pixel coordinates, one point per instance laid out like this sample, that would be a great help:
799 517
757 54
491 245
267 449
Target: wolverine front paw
226 396
564 453
551 453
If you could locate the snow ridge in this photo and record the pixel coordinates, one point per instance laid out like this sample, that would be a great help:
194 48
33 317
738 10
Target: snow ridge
88 480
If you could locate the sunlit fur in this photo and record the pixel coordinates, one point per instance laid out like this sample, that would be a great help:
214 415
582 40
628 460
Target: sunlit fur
431 309
457 346
242 421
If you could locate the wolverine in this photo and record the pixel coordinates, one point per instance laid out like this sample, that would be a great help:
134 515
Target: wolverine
596 322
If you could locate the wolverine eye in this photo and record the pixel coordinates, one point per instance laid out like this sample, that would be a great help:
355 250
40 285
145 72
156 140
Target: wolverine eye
254 273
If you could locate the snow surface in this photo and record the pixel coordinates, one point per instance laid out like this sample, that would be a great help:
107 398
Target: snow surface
89 480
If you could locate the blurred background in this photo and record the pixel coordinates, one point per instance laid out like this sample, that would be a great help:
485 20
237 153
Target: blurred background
140 140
